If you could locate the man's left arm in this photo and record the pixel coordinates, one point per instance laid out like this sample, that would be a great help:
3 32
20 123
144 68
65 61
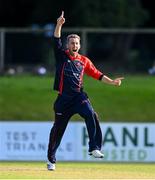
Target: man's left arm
116 82
92 71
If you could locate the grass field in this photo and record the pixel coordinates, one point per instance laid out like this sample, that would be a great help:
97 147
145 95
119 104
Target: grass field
32 97
76 170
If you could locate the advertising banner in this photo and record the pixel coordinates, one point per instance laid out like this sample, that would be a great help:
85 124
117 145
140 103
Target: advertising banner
122 142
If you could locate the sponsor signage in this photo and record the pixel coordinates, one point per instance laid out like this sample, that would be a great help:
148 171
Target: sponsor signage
122 142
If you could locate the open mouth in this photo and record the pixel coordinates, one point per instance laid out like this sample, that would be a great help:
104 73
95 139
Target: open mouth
74 50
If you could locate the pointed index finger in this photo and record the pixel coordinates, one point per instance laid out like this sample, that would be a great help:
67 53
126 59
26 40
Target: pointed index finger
62 14
120 78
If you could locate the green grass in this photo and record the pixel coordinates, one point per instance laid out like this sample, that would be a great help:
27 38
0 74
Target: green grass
76 170
32 98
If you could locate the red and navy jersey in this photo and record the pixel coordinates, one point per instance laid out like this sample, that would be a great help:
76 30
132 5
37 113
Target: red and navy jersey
70 70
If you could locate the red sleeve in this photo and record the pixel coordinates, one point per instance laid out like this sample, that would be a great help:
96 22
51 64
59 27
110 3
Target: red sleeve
91 70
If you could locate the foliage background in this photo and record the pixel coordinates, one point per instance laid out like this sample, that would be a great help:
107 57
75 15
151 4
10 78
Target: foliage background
98 13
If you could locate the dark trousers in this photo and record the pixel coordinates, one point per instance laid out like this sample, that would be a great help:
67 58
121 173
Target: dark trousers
66 106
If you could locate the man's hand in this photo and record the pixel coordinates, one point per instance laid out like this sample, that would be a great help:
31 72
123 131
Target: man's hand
118 81
61 19
60 22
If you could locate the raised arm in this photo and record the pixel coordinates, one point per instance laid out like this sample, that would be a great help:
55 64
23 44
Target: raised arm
60 22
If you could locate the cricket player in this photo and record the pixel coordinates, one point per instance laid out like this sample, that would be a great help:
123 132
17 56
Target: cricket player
70 69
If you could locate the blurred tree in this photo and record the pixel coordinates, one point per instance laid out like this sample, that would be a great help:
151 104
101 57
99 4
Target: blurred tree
16 13
112 14
122 13
97 13
127 14
149 6
81 13
44 12
108 13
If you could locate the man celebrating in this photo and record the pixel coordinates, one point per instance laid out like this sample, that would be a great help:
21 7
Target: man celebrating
70 68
